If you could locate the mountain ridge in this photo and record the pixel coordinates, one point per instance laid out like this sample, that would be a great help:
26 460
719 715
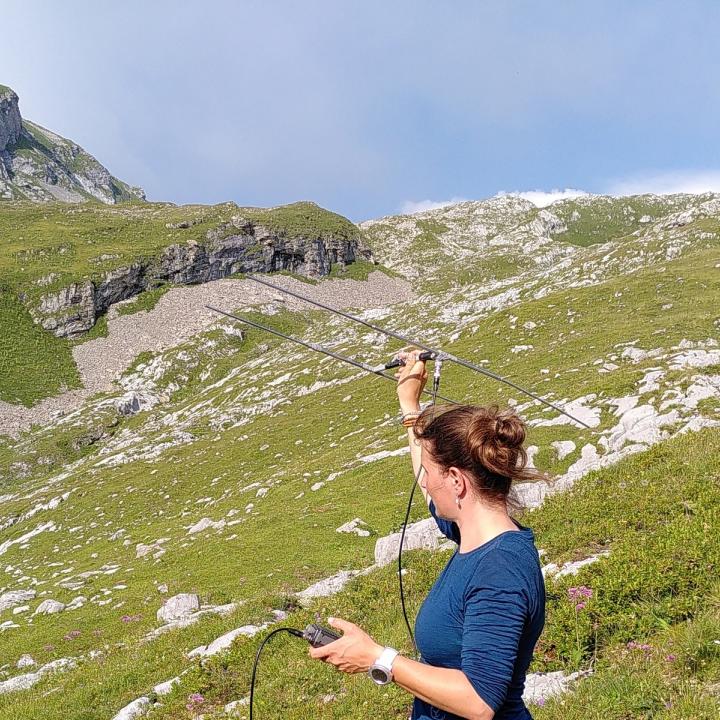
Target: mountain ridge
39 165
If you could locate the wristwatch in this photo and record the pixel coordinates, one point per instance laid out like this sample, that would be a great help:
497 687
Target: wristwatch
381 670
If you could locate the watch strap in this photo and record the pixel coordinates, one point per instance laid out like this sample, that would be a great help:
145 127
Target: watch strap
387 656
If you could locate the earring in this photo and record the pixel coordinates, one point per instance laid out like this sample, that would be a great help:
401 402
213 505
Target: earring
457 500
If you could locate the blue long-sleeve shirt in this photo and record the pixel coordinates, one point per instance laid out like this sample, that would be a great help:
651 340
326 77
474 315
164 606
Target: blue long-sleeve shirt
483 616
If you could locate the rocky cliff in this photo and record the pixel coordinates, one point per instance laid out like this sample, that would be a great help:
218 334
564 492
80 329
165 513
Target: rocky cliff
240 245
38 165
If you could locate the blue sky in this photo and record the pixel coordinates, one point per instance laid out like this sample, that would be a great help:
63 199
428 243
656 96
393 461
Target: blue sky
371 108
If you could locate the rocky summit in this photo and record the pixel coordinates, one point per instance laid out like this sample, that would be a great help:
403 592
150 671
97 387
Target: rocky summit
38 165
175 485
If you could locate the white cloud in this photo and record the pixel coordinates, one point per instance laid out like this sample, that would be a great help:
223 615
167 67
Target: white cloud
667 183
412 206
541 198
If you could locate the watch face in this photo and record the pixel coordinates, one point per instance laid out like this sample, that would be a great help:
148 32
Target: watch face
379 675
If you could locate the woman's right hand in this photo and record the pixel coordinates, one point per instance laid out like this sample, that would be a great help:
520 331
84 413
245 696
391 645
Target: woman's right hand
411 380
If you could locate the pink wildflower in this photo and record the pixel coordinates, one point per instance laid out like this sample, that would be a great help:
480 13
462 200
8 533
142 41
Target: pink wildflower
632 645
580 592
194 700
671 657
72 635
580 606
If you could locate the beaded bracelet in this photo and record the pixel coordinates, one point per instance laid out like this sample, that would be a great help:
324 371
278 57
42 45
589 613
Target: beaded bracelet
409 419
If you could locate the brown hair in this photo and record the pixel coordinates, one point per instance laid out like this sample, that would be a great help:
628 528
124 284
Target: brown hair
486 442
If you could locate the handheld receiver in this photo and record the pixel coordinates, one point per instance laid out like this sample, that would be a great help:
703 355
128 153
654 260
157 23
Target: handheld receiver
318 636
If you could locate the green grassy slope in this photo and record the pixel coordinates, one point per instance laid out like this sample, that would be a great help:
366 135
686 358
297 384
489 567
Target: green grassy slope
627 605
242 415
47 247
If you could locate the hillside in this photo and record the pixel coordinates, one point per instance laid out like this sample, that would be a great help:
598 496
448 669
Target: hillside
223 465
39 165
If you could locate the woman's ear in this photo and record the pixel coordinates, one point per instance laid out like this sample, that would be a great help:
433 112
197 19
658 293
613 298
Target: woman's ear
458 481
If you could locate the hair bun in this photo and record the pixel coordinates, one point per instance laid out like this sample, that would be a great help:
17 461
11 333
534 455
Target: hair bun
509 429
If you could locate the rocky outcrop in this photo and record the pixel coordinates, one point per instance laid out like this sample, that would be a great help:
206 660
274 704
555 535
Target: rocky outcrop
178 606
238 246
10 120
38 165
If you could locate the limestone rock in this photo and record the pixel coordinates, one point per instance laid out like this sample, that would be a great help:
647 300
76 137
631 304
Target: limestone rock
133 402
356 525
26 661
232 247
236 705
540 686
166 687
204 524
225 641
563 448
135 709
571 568
38 165
23 682
178 606
10 120
142 550
422 535
49 607
15 597
69 311
326 587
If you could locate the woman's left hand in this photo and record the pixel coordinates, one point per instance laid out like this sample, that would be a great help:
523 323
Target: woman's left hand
354 652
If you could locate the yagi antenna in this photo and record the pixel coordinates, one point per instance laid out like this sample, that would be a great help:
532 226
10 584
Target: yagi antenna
318 348
439 354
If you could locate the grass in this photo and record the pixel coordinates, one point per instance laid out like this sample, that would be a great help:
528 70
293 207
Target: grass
261 411
26 354
302 219
47 247
291 686
599 220
359 270
145 301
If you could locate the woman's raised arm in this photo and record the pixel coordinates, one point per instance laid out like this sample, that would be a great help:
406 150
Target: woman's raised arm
411 382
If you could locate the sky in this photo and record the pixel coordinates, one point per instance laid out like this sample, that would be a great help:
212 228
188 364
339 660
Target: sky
371 107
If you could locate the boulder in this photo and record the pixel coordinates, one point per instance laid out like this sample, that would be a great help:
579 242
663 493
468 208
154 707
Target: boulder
49 607
142 550
356 526
15 597
422 535
135 709
540 686
23 682
166 687
563 448
178 606
204 524
26 661
328 586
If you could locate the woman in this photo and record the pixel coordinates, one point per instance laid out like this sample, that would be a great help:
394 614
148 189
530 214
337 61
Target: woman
478 626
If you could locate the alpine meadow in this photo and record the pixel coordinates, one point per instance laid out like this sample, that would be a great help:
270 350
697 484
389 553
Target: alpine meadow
175 485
